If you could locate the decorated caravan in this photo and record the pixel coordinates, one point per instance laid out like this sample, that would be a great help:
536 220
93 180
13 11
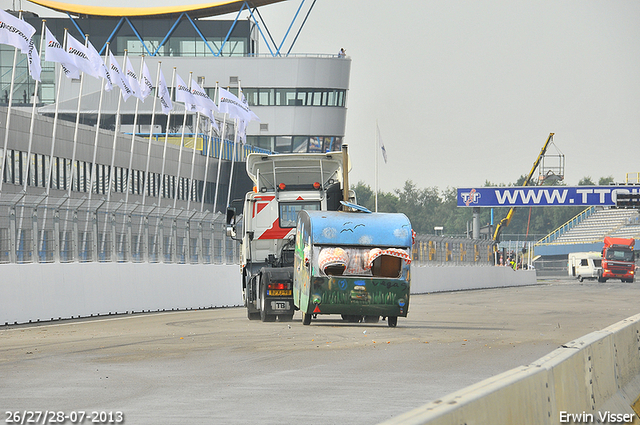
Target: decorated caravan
355 264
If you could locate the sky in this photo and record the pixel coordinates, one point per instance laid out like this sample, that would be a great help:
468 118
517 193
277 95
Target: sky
466 92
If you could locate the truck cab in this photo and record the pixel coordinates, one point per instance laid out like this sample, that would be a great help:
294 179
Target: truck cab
284 185
618 260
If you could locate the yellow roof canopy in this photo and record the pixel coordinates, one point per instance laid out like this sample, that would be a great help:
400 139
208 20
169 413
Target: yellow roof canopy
202 10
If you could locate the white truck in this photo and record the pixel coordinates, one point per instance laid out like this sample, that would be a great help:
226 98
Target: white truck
585 265
284 184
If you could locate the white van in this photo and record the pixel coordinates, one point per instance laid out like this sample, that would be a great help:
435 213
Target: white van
585 265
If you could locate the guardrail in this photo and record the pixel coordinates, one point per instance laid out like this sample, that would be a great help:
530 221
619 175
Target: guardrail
593 379
41 229
442 250
36 229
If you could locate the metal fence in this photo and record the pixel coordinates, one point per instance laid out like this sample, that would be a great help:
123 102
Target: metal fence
34 229
39 229
430 250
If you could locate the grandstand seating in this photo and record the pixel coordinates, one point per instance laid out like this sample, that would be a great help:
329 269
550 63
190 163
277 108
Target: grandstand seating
604 222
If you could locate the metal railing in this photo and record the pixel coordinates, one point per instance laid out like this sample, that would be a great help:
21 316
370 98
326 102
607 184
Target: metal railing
430 250
35 229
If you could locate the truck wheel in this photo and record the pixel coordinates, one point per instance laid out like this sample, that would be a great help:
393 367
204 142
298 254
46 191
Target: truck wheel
392 321
253 315
263 308
602 280
306 319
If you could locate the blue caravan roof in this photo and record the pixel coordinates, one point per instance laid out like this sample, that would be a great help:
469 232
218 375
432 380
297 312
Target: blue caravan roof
351 228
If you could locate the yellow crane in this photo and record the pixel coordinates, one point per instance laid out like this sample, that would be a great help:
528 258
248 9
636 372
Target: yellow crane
505 221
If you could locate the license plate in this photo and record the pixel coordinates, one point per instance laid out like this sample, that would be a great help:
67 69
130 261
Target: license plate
279 292
279 305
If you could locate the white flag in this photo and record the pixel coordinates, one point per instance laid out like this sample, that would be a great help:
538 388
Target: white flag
203 103
201 98
164 95
229 103
183 94
384 151
118 77
243 99
80 56
146 86
242 131
132 81
54 52
35 67
15 32
98 64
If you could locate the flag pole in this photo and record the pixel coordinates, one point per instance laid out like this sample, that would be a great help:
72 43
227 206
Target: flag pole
116 130
193 159
206 166
33 114
166 140
153 116
233 159
224 127
209 148
133 137
184 124
6 131
377 142
55 118
75 131
95 141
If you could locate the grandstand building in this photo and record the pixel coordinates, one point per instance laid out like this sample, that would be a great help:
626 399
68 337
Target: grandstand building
81 189
299 98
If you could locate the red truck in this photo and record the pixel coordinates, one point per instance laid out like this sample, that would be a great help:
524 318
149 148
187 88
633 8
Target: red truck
618 260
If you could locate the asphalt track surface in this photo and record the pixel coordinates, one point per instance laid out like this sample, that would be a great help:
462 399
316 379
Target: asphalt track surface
217 367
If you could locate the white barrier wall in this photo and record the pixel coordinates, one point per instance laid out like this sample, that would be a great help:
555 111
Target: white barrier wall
594 379
456 278
41 292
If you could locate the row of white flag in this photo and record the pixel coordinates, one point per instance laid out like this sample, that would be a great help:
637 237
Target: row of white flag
78 57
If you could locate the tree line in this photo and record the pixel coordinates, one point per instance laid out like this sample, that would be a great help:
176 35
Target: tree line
431 207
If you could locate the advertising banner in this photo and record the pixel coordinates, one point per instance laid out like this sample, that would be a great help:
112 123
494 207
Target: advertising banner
542 196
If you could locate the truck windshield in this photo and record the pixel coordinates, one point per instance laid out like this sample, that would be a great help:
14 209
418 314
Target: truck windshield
289 211
620 255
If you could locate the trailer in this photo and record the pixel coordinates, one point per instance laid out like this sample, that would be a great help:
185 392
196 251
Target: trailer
355 264
585 265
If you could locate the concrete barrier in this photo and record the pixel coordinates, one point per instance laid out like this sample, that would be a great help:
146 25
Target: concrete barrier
456 278
41 292
594 379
